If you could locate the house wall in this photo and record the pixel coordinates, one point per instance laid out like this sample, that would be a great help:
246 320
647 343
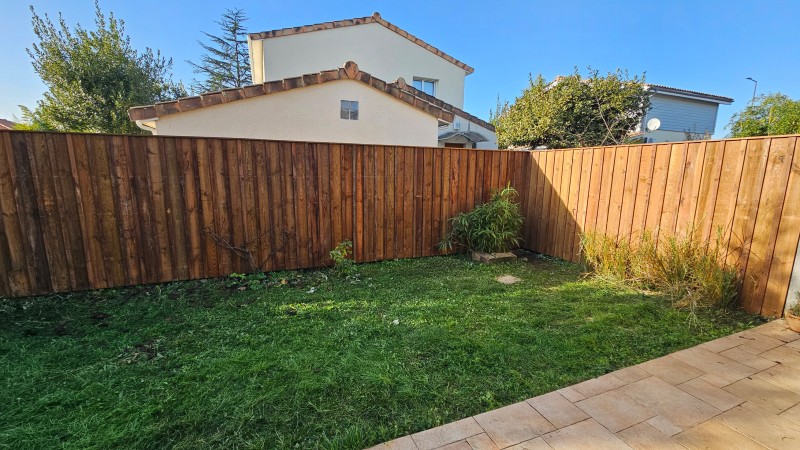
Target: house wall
467 125
682 114
665 136
376 49
310 114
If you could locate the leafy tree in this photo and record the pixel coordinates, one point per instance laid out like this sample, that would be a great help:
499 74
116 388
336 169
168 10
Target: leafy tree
573 111
769 115
93 77
226 62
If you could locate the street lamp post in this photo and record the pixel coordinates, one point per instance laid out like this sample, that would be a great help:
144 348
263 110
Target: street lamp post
755 86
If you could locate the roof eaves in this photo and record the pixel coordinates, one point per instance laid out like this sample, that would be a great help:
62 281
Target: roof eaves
374 18
658 88
350 71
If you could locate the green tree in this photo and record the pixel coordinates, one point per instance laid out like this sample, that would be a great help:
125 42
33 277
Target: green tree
94 76
769 115
573 111
226 61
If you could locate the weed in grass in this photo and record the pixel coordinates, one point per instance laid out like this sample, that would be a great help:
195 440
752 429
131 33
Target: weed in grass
490 227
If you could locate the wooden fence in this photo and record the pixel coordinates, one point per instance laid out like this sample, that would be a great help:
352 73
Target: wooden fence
87 211
748 187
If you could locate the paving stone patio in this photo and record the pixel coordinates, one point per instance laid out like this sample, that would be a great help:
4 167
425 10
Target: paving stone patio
741 391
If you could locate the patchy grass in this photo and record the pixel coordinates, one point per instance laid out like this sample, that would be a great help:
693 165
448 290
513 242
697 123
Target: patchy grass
309 360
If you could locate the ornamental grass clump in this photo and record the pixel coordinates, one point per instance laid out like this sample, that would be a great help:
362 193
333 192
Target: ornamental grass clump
692 272
491 227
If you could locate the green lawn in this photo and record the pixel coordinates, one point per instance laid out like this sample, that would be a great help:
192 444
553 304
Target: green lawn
317 362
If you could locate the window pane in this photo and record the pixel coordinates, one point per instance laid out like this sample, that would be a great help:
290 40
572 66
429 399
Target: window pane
353 114
418 84
345 104
344 114
428 87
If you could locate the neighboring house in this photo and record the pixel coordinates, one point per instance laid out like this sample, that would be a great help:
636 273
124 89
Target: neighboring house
683 115
6 124
402 92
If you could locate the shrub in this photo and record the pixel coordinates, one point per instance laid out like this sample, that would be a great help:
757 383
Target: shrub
795 308
491 227
342 264
691 272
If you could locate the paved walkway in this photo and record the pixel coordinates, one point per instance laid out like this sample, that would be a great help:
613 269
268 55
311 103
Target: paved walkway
739 392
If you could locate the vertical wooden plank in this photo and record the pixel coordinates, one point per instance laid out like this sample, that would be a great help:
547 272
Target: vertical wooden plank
593 205
388 216
265 232
436 199
482 178
176 212
379 153
572 208
583 198
370 221
658 188
709 184
313 203
149 267
427 202
205 181
235 211
629 191
672 196
563 214
533 215
358 221
409 203
159 211
606 185
337 179
290 199
348 179
281 209
692 177
119 155
300 182
545 236
617 191
400 201
325 211
750 188
187 162
644 183
446 174
767 221
19 280
728 190
785 243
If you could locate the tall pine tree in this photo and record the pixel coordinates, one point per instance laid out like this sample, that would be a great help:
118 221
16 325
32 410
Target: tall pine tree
226 61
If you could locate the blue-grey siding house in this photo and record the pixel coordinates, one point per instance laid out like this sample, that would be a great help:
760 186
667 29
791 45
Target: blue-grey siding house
683 115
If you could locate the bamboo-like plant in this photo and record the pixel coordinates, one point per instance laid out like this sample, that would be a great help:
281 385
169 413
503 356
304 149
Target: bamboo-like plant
491 227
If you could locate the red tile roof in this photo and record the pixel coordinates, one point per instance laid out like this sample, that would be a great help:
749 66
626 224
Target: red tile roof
6 124
374 18
399 89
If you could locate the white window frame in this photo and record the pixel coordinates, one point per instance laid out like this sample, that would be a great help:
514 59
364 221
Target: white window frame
434 85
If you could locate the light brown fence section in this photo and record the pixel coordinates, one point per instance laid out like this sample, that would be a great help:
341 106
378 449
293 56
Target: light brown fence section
748 187
84 211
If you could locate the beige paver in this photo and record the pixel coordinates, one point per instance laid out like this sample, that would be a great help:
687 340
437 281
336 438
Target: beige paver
722 344
630 374
513 424
779 330
713 363
403 443
557 409
671 370
614 410
663 425
460 445
759 341
481 442
715 435
783 376
715 380
660 397
767 429
787 355
533 444
707 392
588 435
792 414
763 394
571 394
598 385
446 434
747 356
644 437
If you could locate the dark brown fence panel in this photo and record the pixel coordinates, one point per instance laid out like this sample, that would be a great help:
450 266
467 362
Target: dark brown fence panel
749 188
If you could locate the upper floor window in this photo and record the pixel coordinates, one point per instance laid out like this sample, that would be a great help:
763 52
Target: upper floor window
426 85
349 110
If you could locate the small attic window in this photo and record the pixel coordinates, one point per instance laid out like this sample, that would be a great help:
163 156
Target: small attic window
349 110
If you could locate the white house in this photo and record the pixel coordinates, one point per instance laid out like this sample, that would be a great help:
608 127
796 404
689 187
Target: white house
403 91
681 114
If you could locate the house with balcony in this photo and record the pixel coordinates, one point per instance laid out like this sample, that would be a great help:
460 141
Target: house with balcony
361 80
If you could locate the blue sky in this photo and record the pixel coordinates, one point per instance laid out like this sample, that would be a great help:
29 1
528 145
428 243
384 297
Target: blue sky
707 46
